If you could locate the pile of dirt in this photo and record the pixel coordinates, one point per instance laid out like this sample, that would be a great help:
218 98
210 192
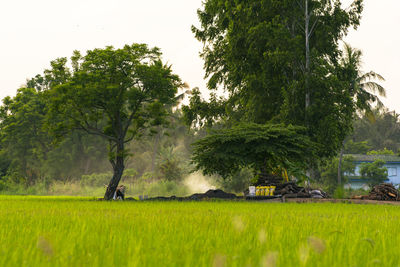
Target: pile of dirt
210 194
384 192
213 193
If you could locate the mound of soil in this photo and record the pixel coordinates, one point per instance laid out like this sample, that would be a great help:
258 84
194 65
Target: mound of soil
210 194
164 198
217 193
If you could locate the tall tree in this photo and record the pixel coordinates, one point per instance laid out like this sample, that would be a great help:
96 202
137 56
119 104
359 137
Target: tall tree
323 14
115 94
363 87
269 56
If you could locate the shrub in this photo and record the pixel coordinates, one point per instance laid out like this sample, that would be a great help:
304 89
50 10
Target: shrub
339 193
384 151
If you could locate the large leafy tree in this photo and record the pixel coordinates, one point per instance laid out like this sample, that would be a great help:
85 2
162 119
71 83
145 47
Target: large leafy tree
115 94
263 148
362 86
277 61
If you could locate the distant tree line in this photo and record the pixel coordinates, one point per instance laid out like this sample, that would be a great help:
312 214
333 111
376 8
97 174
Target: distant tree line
380 132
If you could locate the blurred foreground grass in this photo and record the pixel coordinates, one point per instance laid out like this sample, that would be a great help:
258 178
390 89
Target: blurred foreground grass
70 231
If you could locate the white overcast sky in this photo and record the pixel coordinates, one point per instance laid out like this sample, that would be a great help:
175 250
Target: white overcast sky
34 32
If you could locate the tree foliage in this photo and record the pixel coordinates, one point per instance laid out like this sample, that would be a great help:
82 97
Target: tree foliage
381 132
363 86
384 151
352 147
259 53
329 171
374 172
260 147
22 134
112 93
28 151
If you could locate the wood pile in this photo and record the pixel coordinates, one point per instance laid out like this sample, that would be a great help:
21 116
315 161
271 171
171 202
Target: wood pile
384 192
288 188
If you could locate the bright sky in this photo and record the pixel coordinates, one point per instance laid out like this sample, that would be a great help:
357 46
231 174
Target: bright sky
35 32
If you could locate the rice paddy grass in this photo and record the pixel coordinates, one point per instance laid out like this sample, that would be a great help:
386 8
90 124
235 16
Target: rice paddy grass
71 231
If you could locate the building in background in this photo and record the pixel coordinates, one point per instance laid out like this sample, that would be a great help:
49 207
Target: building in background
392 163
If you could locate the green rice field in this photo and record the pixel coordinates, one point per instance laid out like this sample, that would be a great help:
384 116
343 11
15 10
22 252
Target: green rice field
70 231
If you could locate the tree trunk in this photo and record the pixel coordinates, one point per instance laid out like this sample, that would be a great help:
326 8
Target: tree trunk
339 174
155 151
307 37
87 165
118 168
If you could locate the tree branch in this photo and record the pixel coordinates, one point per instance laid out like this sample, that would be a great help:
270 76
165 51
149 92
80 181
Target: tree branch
312 28
133 113
95 131
129 139
85 126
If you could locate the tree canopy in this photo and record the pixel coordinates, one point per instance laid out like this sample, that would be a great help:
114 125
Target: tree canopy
374 172
112 93
260 147
22 134
381 132
30 150
278 61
